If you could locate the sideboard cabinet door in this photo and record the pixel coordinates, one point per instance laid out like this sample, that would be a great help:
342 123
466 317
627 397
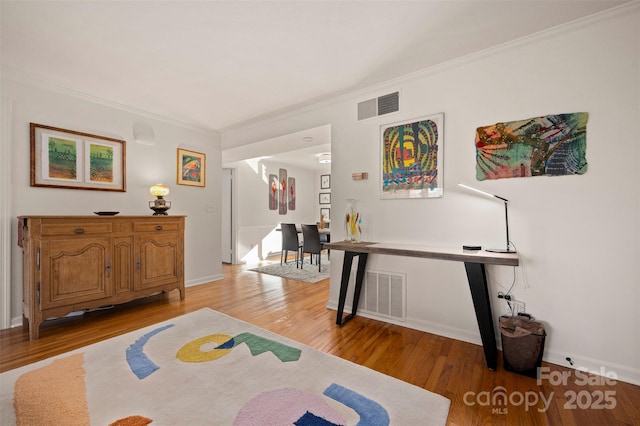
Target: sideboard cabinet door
123 265
159 259
75 271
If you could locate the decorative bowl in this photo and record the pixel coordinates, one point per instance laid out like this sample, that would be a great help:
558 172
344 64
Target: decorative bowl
106 213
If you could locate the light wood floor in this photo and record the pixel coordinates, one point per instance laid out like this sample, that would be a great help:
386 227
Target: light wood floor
298 311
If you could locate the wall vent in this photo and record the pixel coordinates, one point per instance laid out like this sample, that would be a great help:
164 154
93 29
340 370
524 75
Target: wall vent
384 294
381 105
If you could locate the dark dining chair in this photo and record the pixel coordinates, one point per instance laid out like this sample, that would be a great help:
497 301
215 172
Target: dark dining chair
290 242
311 243
325 238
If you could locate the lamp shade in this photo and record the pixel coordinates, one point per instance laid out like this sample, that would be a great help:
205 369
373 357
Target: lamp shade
159 190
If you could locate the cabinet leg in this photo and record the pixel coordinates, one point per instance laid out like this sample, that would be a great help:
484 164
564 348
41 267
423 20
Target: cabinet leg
34 330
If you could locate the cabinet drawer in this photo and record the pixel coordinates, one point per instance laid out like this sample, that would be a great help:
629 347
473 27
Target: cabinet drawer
156 226
52 229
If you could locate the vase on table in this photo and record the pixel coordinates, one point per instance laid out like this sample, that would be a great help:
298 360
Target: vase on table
353 222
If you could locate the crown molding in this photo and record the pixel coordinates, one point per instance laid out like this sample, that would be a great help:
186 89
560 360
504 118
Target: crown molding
47 85
396 82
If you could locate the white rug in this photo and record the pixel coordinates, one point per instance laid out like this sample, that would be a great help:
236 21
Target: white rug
308 273
208 368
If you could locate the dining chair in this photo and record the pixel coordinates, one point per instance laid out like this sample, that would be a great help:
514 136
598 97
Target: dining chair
326 238
311 244
290 242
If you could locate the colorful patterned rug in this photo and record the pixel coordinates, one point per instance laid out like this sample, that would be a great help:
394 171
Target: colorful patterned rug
208 368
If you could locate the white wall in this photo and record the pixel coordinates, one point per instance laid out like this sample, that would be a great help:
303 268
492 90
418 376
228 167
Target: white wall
577 236
145 165
257 237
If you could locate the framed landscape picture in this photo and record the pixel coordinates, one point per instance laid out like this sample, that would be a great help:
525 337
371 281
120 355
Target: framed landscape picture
191 168
62 158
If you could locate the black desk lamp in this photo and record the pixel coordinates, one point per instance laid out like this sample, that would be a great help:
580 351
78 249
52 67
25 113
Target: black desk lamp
506 217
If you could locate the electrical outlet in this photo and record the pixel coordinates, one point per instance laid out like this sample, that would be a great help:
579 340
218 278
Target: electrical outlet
516 307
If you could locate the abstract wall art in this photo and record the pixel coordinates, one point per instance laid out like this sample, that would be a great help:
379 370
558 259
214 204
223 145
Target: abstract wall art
552 145
412 158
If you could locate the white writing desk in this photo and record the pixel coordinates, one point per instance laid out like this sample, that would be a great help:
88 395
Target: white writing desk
474 262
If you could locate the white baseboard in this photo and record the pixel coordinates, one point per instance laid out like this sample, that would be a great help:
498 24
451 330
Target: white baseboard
622 373
203 280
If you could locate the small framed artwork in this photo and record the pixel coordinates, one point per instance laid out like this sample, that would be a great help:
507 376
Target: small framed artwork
191 168
326 213
325 198
325 181
62 158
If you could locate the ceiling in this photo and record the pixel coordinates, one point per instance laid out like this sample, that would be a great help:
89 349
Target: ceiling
301 149
215 65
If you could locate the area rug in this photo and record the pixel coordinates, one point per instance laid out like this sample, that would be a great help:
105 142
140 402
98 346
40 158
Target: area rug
309 273
208 368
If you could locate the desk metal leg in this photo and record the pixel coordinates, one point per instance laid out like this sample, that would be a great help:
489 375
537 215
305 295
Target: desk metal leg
344 284
482 304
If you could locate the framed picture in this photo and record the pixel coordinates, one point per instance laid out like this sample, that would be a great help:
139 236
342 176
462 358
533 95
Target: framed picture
325 181
191 168
412 159
326 212
325 198
62 158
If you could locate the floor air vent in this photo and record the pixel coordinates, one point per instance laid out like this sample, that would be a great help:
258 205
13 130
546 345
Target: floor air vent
385 104
384 294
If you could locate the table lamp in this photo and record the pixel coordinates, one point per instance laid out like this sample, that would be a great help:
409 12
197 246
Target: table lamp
506 217
159 205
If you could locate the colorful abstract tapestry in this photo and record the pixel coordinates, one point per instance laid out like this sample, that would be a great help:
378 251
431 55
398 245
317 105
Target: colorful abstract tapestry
552 145
412 159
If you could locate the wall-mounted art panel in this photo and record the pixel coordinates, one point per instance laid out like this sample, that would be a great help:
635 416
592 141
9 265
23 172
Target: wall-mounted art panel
282 192
552 145
412 158
273 192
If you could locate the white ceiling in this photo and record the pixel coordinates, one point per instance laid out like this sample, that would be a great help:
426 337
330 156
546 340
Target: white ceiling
214 65
300 149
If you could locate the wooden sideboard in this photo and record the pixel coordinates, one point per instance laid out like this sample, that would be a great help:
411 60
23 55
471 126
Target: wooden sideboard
74 263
